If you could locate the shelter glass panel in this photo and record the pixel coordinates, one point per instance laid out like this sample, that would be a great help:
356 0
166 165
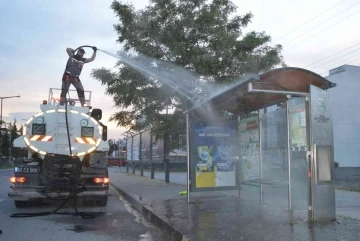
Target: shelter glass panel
298 151
274 143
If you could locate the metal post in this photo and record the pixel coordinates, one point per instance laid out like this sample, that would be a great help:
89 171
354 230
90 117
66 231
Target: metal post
166 157
309 156
119 143
167 171
260 157
10 143
127 167
152 170
141 169
188 157
134 166
49 98
288 150
1 112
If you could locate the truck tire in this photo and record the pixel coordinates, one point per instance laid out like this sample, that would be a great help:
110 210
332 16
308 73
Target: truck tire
102 202
20 204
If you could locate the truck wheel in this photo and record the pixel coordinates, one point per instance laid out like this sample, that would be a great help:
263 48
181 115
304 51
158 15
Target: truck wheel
102 202
20 204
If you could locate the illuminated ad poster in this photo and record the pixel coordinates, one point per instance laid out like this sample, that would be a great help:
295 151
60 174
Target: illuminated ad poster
136 148
145 146
157 150
215 148
128 149
298 130
249 148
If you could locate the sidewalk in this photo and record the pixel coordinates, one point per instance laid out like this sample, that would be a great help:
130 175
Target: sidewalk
217 216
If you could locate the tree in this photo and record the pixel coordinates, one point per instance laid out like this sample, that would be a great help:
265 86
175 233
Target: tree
204 37
6 143
15 133
112 146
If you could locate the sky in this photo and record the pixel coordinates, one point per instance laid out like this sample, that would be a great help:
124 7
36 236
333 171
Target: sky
35 34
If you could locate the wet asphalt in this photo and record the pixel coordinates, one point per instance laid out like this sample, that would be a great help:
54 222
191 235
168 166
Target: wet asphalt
117 221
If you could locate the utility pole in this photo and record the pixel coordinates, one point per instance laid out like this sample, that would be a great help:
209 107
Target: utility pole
10 129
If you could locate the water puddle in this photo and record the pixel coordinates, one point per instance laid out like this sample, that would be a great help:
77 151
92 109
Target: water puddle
148 236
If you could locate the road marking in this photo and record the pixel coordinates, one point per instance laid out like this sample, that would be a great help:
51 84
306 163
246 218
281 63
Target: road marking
1 200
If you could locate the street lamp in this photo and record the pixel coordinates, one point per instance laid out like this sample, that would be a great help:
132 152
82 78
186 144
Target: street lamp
6 97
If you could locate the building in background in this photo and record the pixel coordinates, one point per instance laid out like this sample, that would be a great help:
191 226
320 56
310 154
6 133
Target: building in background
345 102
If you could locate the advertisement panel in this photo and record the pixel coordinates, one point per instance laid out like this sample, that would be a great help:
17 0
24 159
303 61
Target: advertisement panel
215 150
298 128
249 148
157 150
145 146
136 147
128 148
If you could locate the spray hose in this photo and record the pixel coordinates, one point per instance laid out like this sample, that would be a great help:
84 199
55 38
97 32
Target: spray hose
85 46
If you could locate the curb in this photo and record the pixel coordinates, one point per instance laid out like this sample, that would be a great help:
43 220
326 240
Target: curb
151 216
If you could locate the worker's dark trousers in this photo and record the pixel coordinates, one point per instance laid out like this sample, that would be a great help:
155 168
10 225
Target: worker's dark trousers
75 81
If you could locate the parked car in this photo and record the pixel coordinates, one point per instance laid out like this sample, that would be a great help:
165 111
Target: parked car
116 161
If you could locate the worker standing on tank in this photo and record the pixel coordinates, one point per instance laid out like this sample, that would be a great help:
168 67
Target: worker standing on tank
72 72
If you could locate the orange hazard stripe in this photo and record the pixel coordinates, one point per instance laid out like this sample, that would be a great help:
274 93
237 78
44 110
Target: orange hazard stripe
85 140
40 138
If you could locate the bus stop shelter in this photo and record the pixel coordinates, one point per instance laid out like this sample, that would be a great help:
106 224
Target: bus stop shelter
270 136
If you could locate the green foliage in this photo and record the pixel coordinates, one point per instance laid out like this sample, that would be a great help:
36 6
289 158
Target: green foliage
6 143
113 146
205 37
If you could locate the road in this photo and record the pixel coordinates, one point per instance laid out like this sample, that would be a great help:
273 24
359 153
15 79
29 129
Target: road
116 221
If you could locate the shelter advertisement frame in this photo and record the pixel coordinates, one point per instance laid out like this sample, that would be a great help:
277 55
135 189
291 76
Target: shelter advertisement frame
142 147
136 143
129 149
213 167
145 147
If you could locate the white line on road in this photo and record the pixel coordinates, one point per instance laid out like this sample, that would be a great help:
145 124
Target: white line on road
1 200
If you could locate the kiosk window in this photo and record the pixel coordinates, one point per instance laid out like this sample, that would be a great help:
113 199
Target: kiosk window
324 163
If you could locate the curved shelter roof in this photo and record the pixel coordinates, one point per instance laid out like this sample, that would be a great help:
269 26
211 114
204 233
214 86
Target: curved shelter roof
238 99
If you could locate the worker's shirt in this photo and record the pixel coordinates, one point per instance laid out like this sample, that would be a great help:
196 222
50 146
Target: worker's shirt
75 65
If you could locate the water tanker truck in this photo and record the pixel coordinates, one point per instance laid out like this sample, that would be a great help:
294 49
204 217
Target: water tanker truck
68 155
